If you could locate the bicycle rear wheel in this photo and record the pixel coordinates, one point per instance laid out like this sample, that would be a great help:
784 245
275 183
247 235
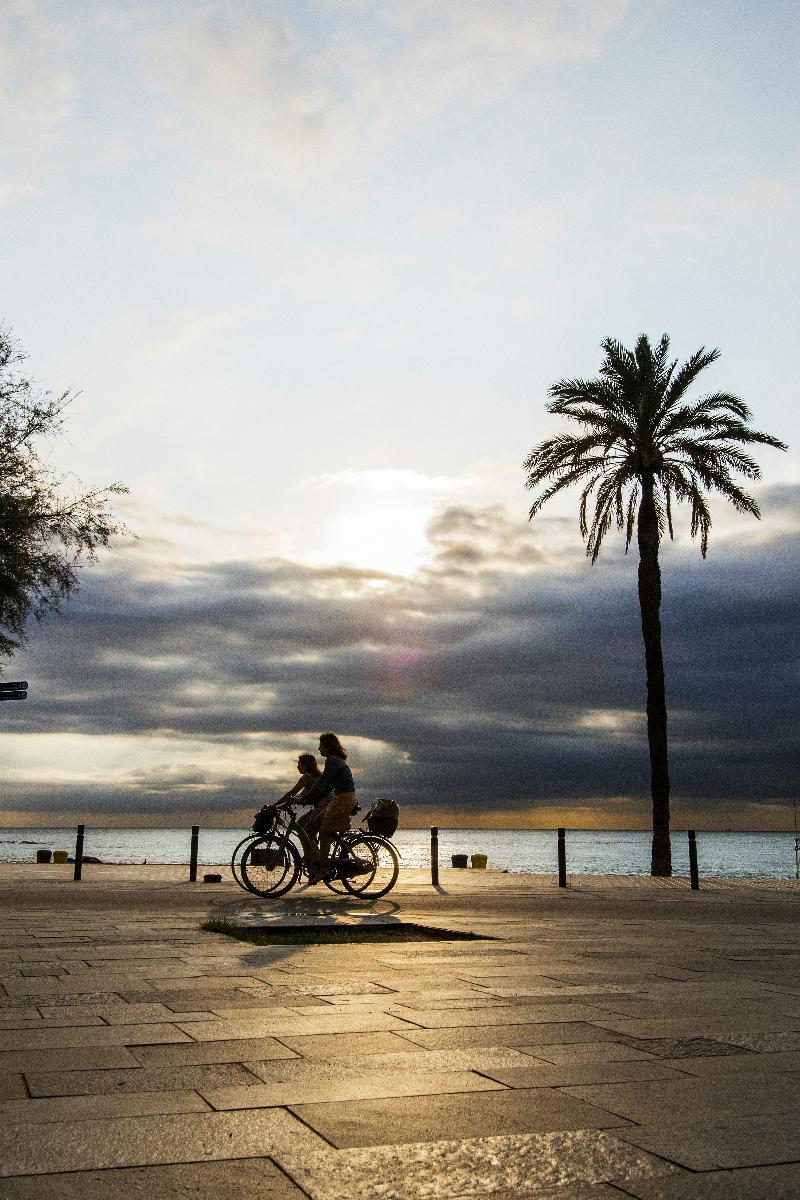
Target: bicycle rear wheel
338 857
383 870
270 866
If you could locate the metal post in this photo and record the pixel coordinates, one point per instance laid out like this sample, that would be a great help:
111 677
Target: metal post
79 852
434 856
562 858
693 875
193 854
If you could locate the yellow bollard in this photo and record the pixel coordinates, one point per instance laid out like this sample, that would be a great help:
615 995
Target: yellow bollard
479 861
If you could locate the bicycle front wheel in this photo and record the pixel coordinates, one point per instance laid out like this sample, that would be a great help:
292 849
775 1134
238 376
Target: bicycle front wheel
270 866
377 867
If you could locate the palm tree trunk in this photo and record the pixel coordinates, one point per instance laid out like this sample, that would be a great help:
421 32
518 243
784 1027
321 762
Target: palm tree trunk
650 606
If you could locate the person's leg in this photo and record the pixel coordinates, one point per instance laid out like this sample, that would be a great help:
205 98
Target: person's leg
335 819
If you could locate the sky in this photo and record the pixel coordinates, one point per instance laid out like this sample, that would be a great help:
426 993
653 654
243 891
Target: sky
311 267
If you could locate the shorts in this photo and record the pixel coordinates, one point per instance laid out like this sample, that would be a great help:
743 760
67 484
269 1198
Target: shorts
336 817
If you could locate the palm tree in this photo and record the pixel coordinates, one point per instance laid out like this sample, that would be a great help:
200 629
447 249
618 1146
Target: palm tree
644 446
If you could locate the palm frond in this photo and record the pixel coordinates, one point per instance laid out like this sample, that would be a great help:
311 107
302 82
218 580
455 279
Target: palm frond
638 429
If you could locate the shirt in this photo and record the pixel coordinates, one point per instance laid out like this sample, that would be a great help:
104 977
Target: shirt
337 777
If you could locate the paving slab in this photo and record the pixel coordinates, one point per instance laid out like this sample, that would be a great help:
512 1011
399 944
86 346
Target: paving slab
579 1074
97 1036
481 1059
510 1035
750 1183
334 1045
68 1058
663 1102
532 1165
138 1079
190 1053
97 1107
141 1141
280 1021
586 1052
12 1086
713 1144
236 1179
330 1089
430 1118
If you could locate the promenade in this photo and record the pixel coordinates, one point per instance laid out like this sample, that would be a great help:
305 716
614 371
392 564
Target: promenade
621 1037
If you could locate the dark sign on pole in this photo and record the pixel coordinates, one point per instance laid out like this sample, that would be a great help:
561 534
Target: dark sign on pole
14 691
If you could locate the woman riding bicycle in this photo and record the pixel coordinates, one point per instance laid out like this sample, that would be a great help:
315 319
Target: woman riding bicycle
338 779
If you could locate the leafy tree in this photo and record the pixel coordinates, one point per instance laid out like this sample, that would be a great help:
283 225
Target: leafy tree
642 447
48 529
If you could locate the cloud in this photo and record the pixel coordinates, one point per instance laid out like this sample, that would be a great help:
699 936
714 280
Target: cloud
175 333
388 479
497 678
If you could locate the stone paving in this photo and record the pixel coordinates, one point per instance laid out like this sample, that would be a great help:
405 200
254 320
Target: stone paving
617 1038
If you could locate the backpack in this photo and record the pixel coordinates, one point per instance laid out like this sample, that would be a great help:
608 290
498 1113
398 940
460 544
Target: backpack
384 817
265 819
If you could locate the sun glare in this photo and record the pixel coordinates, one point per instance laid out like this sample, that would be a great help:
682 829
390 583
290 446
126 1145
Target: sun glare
384 534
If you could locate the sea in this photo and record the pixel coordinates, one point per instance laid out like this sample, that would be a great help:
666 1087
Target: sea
534 851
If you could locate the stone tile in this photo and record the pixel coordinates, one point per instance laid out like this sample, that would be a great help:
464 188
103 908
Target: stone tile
695 1047
673 1101
524 1165
195 1053
80 999
85 982
517 1014
148 1141
93 1108
481 1059
743 1066
281 1021
333 1045
430 1118
747 1183
587 1052
12 1086
67 1058
122 1014
581 1074
98 1036
723 1144
237 1179
509 1035
64 1018
209 983
767 1042
330 1089
138 1079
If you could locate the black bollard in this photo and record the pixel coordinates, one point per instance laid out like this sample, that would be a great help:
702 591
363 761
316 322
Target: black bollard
79 852
193 854
562 858
434 856
693 873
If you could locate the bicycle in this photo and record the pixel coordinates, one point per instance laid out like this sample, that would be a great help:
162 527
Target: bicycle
360 863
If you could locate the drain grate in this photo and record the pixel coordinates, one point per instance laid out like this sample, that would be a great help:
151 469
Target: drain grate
340 934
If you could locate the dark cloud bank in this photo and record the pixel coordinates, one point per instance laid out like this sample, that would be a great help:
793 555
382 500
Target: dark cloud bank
506 678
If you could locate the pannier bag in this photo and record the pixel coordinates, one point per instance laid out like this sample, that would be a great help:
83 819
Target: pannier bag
266 857
265 819
384 817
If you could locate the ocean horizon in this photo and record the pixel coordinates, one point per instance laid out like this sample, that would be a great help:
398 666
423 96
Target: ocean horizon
732 853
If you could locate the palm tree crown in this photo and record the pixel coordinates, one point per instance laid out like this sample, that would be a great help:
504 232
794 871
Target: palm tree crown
638 428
